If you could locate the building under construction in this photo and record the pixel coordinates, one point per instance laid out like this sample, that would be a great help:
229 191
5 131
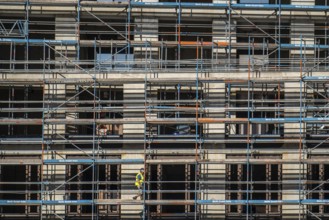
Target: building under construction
224 103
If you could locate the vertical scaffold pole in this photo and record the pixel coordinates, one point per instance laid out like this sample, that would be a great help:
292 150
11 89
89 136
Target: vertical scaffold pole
279 36
248 133
26 33
78 30
128 29
229 34
196 129
42 151
300 128
145 171
179 34
94 192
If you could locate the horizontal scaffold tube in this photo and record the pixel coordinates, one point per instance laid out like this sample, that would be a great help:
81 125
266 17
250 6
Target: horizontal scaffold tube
233 6
157 161
165 202
188 5
163 109
116 139
24 121
86 43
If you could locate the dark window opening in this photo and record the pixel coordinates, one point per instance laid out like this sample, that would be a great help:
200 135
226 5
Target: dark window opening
154 185
321 2
87 177
34 177
258 175
41 30
268 94
112 98
107 177
313 174
320 95
14 97
174 177
8 54
12 26
20 174
321 38
190 32
232 175
261 55
318 174
245 31
37 54
91 29
172 182
13 174
187 96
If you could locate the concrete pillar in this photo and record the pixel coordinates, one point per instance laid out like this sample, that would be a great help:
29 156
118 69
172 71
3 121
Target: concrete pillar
146 30
290 172
52 174
221 36
54 92
131 93
215 92
65 56
214 172
71 91
128 173
292 94
65 29
232 128
306 31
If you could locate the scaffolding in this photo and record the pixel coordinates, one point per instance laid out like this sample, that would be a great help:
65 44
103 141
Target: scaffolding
224 104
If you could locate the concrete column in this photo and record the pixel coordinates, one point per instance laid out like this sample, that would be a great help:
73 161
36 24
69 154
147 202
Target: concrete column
131 93
290 172
128 173
221 36
54 92
292 93
146 30
71 91
51 174
304 30
215 92
233 127
214 172
65 55
65 29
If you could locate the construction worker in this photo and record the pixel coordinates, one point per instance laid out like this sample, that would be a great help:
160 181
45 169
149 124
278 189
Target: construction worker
139 183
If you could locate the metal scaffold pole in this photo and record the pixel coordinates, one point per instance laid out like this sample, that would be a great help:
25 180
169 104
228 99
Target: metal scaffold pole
209 97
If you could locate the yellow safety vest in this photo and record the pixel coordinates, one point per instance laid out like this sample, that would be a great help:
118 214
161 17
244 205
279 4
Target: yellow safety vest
139 179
